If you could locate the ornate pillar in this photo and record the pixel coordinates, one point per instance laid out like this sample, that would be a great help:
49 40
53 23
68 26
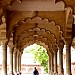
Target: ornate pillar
20 62
15 61
68 59
49 62
52 65
55 63
61 60
68 38
11 57
4 57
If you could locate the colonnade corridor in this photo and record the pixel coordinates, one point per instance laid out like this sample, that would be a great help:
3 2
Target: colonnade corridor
15 63
48 23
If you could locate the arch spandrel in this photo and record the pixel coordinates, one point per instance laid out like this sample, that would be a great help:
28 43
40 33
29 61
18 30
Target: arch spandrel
48 15
57 16
16 16
24 27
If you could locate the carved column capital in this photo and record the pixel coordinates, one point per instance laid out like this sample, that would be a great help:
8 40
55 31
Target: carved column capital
68 41
10 44
15 50
4 41
61 46
68 59
55 48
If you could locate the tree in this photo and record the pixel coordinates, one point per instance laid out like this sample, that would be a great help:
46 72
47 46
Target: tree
40 55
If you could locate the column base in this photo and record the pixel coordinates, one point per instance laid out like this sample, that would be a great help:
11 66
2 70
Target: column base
51 73
60 74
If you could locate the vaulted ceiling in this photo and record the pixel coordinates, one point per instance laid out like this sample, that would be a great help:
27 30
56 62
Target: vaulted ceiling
44 22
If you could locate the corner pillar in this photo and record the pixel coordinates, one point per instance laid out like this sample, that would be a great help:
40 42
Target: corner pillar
4 57
68 59
20 62
52 65
11 58
15 61
61 60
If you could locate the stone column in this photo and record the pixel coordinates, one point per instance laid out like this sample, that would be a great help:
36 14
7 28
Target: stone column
20 62
68 59
4 57
55 63
52 65
15 61
61 61
49 63
11 58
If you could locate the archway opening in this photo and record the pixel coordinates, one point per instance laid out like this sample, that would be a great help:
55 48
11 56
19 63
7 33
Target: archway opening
35 56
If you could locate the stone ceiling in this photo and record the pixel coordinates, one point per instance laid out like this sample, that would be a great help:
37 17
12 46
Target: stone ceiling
44 22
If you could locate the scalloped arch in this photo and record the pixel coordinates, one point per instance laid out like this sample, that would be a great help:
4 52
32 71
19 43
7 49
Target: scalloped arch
43 40
48 45
43 35
55 27
36 20
33 38
32 20
39 43
34 29
48 26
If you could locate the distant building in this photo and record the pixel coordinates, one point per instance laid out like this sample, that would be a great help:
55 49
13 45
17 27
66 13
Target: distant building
28 64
